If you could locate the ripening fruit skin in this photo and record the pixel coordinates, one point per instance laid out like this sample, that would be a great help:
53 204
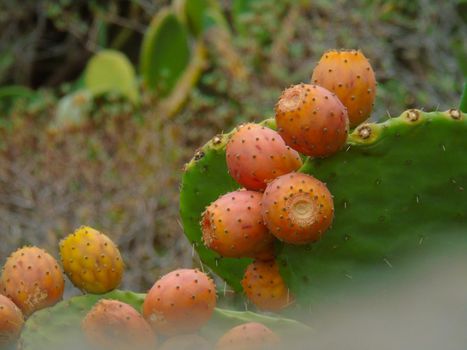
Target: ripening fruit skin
350 76
11 322
185 342
312 120
265 287
297 208
32 279
91 261
248 336
111 324
233 226
256 155
181 302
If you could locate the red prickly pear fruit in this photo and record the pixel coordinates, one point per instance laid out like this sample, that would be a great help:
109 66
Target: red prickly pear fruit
32 279
11 322
185 342
180 302
297 208
312 120
257 155
233 226
265 287
349 75
249 336
111 324
91 261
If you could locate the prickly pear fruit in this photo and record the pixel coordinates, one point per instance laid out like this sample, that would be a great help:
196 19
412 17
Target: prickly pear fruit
185 342
297 208
312 120
256 155
233 226
180 302
111 324
32 279
264 286
91 261
11 322
248 336
349 75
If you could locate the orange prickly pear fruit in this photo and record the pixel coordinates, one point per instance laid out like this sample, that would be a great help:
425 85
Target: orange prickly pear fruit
297 208
111 324
350 76
32 279
265 287
312 120
249 336
11 322
91 261
180 302
233 226
256 155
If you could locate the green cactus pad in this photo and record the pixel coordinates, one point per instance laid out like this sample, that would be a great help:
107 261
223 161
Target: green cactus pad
165 53
58 327
200 15
111 71
398 187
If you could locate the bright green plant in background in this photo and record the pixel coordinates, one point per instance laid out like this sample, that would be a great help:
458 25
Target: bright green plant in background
111 71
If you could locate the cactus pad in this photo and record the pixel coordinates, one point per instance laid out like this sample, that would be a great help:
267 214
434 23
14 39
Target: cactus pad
165 53
59 327
111 71
399 187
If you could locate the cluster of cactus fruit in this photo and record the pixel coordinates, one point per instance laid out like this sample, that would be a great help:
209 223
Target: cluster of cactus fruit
276 201
175 308
287 209
257 207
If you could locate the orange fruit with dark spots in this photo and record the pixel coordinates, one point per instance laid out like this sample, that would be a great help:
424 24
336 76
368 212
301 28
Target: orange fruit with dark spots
233 226
180 302
297 208
111 324
32 279
256 155
249 336
265 287
312 120
350 76
11 322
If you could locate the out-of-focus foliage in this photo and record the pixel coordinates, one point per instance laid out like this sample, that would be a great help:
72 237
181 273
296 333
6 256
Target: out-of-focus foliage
120 171
110 71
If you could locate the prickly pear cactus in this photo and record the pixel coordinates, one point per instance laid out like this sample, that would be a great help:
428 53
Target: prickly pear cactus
111 71
59 327
165 53
399 188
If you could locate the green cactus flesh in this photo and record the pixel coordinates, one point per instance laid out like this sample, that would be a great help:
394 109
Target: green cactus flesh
58 327
165 53
398 187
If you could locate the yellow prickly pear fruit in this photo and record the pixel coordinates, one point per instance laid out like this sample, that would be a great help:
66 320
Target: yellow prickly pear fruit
91 261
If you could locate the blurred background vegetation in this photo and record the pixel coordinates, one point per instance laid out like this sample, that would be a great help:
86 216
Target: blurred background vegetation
102 102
